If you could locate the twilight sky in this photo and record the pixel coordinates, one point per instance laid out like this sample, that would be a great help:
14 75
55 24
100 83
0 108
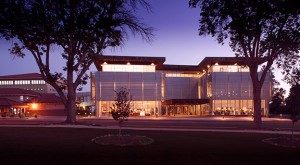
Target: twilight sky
176 38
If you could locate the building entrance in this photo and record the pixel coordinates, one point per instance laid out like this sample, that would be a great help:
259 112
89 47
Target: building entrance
196 107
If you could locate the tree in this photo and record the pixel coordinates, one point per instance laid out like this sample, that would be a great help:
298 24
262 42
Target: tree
262 32
275 84
293 104
278 104
121 108
82 29
293 77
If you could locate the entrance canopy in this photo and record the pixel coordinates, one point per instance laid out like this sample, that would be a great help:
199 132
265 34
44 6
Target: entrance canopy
185 101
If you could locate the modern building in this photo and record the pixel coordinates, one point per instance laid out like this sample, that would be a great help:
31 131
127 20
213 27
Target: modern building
216 86
30 81
20 102
24 94
85 105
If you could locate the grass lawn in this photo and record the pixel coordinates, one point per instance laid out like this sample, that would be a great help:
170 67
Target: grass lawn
74 146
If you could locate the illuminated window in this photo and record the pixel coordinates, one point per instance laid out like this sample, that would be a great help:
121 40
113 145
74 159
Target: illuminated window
229 68
182 75
9 82
128 68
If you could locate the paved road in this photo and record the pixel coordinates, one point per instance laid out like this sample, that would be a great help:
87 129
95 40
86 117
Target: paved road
227 123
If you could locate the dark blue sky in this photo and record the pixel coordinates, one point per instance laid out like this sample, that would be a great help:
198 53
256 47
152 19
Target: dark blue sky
176 38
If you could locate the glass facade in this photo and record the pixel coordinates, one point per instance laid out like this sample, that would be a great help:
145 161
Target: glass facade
227 87
231 91
144 87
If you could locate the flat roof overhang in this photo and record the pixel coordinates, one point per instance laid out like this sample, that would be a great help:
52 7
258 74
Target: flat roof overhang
135 60
185 101
208 61
170 67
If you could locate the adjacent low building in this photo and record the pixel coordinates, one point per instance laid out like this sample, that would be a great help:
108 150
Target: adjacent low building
217 86
20 102
28 81
28 94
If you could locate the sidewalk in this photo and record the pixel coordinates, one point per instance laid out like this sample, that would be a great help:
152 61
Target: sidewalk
54 121
203 118
156 129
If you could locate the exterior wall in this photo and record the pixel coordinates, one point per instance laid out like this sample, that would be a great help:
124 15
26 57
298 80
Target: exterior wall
37 85
232 93
203 87
41 88
48 109
144 87
229 88
181 87
34 85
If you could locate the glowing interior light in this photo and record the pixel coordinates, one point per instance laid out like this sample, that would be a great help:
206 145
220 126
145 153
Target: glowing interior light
34 106
128 63
216 63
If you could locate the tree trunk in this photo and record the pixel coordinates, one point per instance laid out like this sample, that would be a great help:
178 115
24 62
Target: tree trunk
257 106
71 108
71 103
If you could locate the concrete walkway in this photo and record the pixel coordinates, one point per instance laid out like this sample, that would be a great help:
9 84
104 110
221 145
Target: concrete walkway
154 129
210 118
206 118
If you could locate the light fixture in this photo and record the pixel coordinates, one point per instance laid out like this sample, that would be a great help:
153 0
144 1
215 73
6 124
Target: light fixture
34 105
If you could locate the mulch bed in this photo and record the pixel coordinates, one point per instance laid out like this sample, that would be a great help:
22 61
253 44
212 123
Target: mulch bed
123 140
284 142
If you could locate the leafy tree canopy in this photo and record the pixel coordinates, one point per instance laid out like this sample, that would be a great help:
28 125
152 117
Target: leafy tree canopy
293 77
81 28
264 29
293 102
261 31
278 103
